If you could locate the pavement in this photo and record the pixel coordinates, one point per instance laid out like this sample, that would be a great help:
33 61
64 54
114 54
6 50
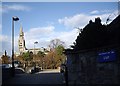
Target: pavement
46 77
49 71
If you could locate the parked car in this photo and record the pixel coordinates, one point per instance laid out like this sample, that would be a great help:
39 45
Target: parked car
16 64
19 71
30 70
34 69
5 65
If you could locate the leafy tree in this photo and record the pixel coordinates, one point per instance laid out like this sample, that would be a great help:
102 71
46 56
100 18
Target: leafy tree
49 60
5 59
38 58
55 43
95 35
20 59
28 56
92 36
41 54
55 57
59 50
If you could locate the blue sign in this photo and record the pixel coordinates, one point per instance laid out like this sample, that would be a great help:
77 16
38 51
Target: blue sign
106 56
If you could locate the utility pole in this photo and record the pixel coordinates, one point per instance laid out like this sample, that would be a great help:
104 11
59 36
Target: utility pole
15 18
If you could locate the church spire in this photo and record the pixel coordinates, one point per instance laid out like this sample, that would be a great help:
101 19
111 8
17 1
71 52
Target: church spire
21 31
21 41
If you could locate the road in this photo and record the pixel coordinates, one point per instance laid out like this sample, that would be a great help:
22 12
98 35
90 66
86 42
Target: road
46 77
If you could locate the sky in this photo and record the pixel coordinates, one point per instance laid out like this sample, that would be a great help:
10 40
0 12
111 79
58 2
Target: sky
44 21
60 0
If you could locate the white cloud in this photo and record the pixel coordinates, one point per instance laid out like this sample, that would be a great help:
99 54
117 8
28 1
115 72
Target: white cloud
68 37
15 7
45 34
0 38
74 21
94 12
0 28
4 38
106 11
39 34
5 43
80 20
40 30
0 9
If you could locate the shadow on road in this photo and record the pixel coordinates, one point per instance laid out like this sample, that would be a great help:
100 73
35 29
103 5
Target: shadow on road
44 78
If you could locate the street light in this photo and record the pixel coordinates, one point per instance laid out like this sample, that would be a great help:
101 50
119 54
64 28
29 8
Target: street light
34 46
15 18
34 53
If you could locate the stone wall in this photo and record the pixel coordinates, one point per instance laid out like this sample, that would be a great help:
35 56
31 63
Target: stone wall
84 68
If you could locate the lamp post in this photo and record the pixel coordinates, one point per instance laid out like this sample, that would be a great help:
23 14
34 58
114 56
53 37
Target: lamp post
34 46
34 53
15 18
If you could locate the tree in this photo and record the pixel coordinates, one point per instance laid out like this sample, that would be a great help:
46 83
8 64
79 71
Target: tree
20 59
48 60
38 58
55 43
60 57
41 54
28 56
5 58
55 57
59 49
92 36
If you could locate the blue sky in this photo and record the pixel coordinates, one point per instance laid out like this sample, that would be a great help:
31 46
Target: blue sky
44 21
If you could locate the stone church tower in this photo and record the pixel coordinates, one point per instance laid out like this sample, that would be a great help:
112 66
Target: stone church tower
21 41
